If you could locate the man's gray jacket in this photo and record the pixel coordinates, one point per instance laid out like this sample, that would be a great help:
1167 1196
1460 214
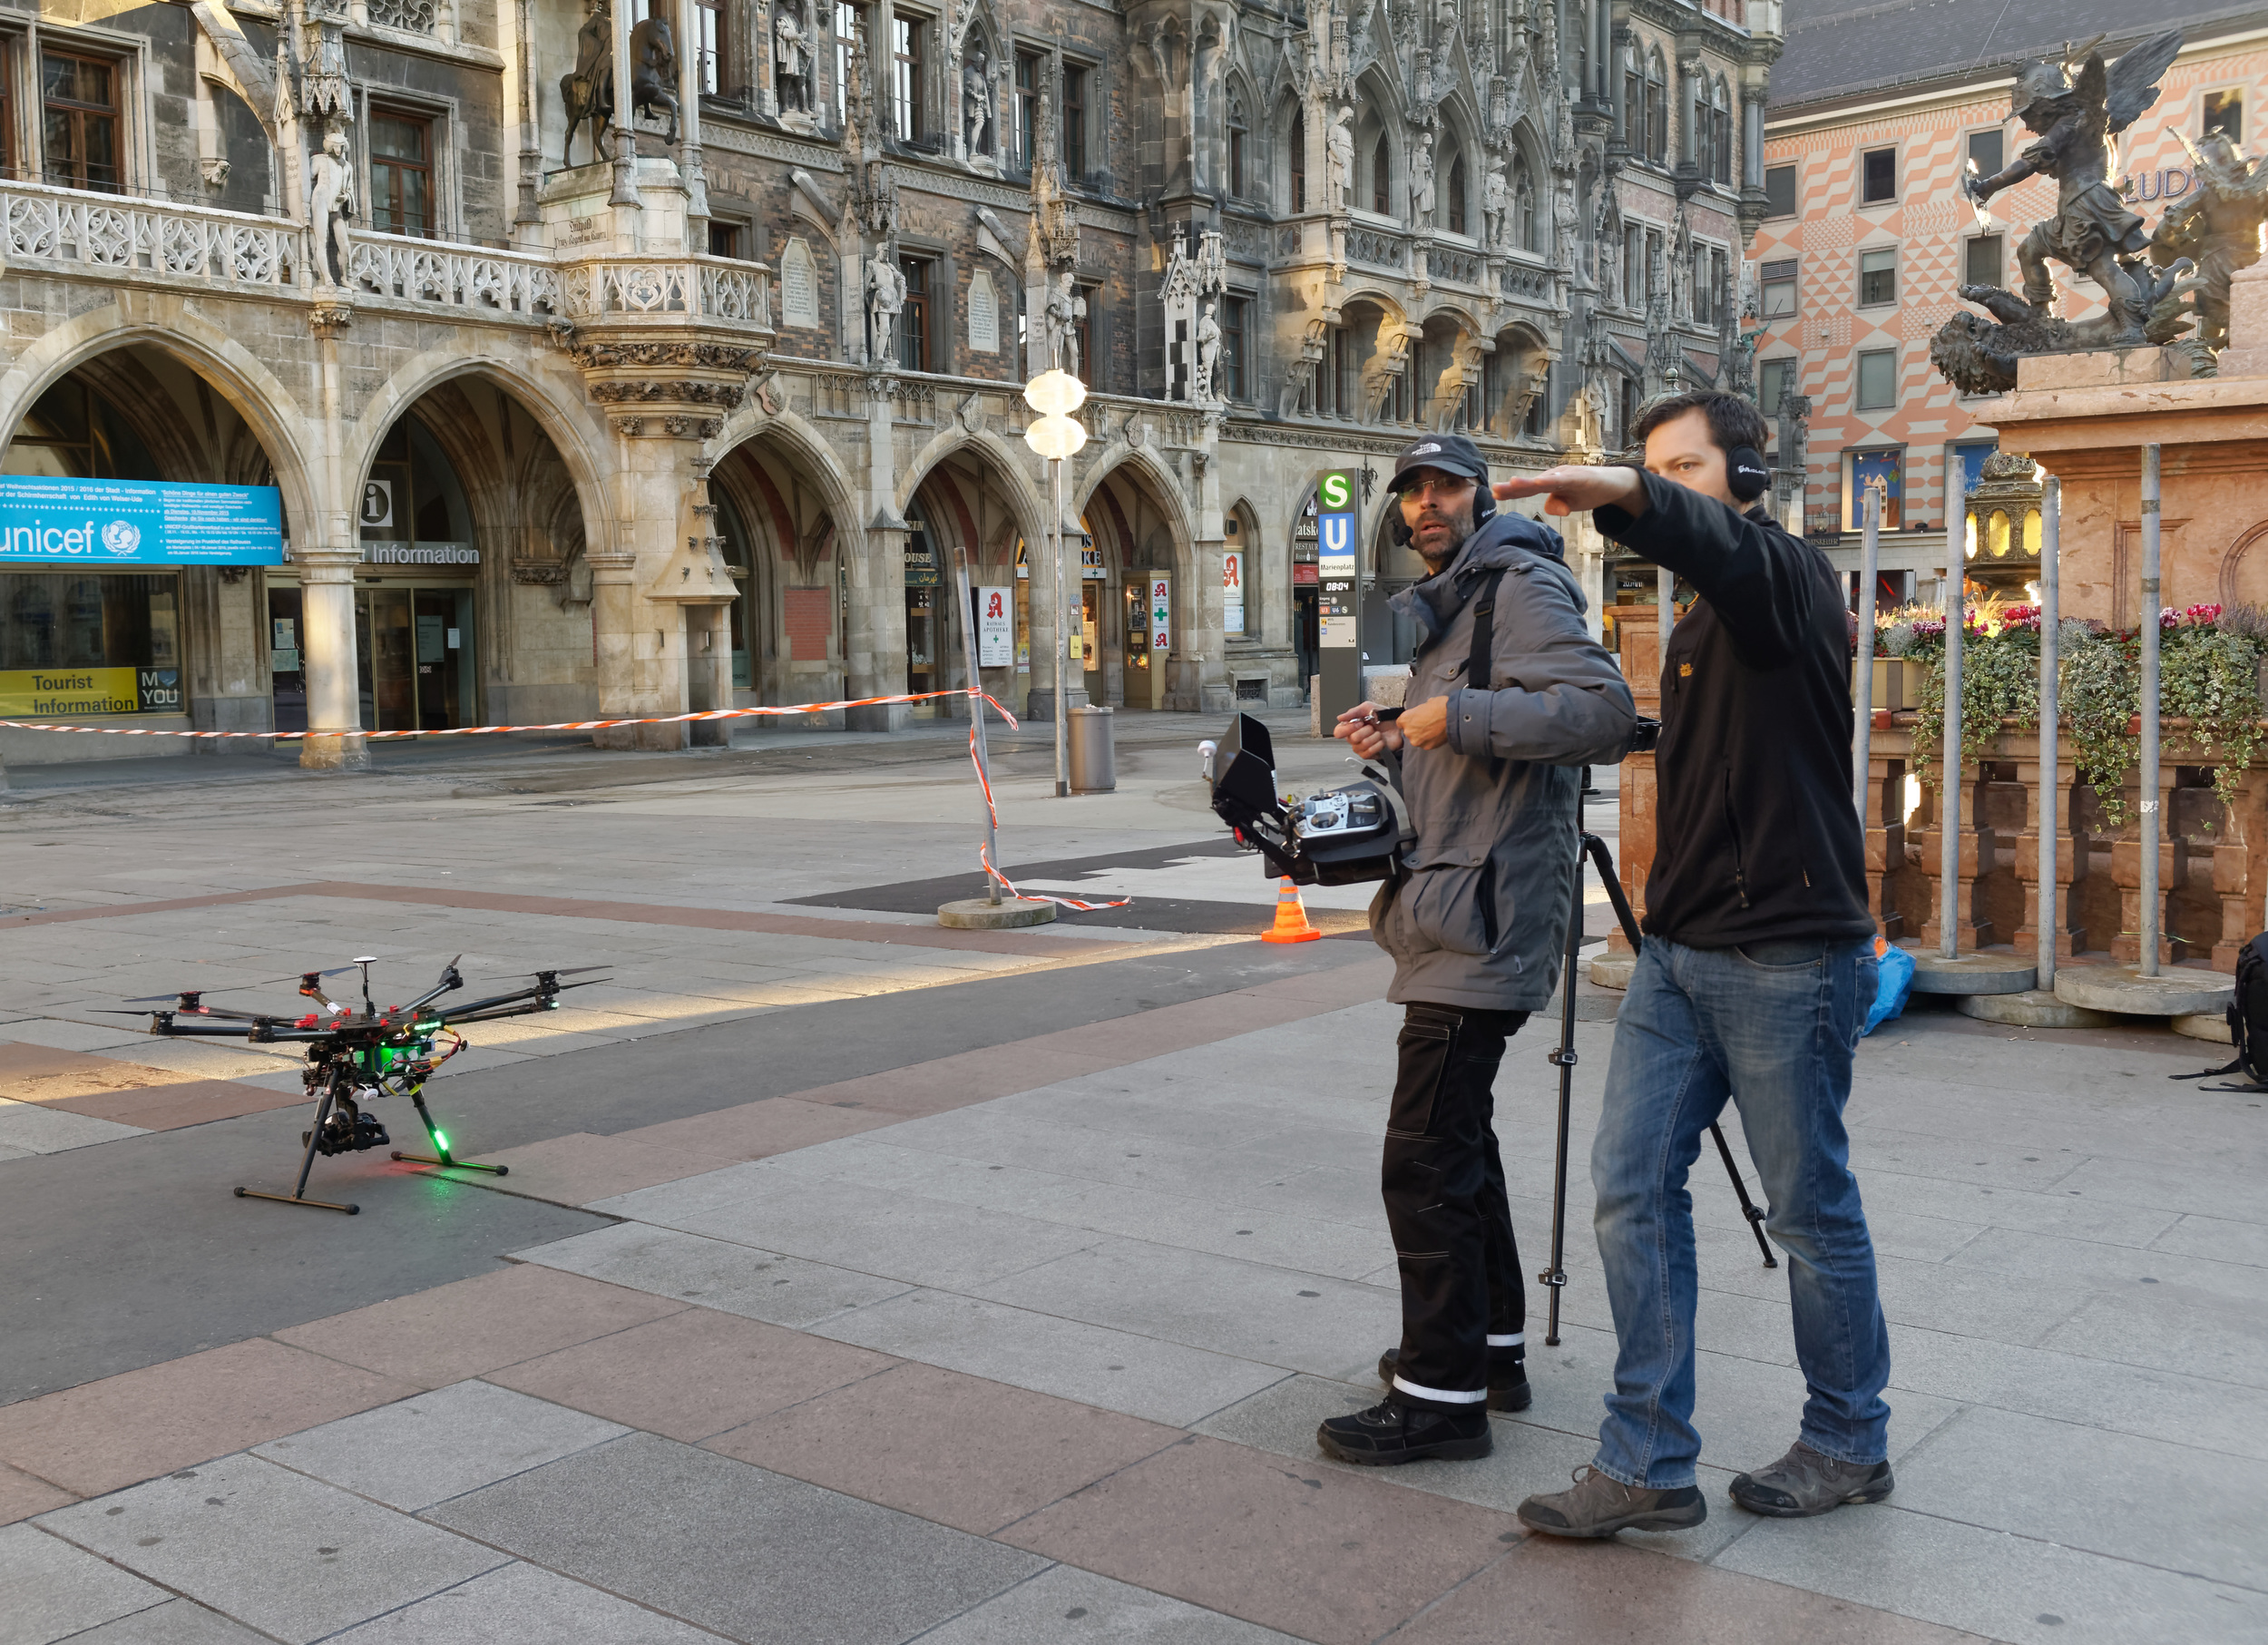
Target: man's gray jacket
1476 917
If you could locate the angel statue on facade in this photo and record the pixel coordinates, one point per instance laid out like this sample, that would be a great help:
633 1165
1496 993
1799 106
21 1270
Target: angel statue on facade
2073 122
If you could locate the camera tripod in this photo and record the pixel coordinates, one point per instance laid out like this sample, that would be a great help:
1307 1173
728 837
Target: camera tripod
1589 846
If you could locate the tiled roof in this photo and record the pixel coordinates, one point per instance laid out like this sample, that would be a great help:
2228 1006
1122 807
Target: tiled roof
1846 48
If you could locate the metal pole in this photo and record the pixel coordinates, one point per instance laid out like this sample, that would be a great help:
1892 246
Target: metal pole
1061 642
1862 687
2152 823
2051 927
976 717
1666 603
1949 756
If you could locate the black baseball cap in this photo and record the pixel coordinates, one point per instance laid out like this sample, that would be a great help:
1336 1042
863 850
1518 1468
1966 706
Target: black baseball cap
1450 452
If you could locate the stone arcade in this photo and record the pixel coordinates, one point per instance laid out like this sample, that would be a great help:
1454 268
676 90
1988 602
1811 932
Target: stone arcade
705 419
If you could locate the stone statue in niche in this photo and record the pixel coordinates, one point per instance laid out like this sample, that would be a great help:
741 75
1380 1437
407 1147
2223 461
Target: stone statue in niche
1207 357
886 296
588 93
791 60
330 206
1338 158
976 102
1065 310
1422 181
1496 203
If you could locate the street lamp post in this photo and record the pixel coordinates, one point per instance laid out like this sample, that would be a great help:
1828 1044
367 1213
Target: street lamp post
1055 435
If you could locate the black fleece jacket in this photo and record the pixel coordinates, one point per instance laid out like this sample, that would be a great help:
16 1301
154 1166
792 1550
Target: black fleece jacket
1755 838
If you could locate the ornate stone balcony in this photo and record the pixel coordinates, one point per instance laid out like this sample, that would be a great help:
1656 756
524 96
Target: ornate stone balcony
113 237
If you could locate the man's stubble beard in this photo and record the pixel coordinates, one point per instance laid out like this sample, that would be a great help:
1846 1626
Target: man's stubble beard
1459 529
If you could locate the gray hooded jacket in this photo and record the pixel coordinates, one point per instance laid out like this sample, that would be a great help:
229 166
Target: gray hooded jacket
1477 916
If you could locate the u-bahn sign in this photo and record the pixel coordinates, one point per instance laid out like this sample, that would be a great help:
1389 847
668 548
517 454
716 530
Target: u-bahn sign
139 523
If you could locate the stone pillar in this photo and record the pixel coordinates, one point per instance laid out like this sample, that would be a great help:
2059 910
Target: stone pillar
1752 100
875 632
1885 834
625 138
690 172
326 566
1935 820
2125 870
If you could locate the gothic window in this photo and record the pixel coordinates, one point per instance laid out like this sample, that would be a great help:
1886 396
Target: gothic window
1295 146
1721 134
1236 146
1457 195
1657 112
401 174
1524 205
1074 121
1027 105
905 75
914 318
80 121
1381 179
848 19
708 44
1633 105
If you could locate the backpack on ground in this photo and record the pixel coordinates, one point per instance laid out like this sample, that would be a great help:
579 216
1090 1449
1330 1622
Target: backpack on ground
2248 1022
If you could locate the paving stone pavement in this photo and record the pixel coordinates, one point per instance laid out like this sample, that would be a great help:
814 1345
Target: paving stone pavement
947 1321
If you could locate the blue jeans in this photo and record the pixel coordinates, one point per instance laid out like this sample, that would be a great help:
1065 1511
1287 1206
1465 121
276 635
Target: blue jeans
1774 1027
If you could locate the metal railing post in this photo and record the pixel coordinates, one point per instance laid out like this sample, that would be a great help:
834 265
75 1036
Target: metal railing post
1863 684
1950 756
2050 926
2153 822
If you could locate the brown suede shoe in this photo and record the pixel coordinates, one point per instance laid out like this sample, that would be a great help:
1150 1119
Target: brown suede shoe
1599 1506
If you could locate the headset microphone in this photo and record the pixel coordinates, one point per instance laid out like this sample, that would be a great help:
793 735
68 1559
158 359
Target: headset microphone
1746 474
1483 511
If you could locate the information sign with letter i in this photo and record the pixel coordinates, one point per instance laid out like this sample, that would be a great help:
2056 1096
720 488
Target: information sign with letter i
1338 516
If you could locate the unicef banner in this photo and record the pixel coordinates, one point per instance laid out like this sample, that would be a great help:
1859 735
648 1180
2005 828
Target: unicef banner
139 523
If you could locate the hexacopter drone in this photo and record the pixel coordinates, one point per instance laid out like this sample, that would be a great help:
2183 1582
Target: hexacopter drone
359 1054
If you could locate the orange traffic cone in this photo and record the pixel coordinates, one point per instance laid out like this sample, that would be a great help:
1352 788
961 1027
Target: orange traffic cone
1291 917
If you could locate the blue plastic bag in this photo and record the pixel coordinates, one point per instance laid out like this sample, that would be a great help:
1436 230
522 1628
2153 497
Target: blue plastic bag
1896 967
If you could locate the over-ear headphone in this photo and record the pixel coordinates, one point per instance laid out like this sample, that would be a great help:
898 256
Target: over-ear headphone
1746 474
1483 511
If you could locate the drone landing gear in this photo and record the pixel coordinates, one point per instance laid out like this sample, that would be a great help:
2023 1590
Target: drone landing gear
441 1154
299 1196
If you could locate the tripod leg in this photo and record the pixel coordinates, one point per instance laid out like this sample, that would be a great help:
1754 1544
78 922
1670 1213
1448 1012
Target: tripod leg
440 1140
1747 1207
1597 847
299 1196
1554 1278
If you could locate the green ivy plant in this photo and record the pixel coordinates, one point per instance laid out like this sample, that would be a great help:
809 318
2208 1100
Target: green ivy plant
2208 674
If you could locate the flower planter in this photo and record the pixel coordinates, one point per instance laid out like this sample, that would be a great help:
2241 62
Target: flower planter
1893 688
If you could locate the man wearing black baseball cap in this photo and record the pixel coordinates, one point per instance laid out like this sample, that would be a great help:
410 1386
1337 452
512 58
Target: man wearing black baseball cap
1508 695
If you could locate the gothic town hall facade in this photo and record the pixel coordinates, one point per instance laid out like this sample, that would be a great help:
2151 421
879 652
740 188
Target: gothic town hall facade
628 357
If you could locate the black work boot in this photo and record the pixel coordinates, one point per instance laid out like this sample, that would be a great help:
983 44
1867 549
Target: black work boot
1807 1481
1508 1380
1390 1433
1598 1506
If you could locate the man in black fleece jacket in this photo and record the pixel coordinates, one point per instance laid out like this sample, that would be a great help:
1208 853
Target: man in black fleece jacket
1753 985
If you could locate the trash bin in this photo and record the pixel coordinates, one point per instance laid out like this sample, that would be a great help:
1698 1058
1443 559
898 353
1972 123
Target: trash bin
1094 761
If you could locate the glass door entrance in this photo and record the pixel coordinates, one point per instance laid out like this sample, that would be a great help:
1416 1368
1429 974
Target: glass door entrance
414 653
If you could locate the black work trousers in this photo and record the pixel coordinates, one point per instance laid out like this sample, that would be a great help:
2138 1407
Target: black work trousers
1444 1180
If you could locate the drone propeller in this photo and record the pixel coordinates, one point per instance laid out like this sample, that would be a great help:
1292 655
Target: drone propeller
296 976
564 971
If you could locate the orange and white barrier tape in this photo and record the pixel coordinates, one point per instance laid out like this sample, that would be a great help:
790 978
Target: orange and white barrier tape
1040 897
983 782
486 730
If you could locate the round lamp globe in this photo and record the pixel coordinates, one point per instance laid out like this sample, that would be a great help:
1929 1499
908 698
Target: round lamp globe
1055 437
1055 392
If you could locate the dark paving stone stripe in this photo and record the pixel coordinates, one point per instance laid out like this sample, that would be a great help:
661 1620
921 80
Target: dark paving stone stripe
135 1251
1143 914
